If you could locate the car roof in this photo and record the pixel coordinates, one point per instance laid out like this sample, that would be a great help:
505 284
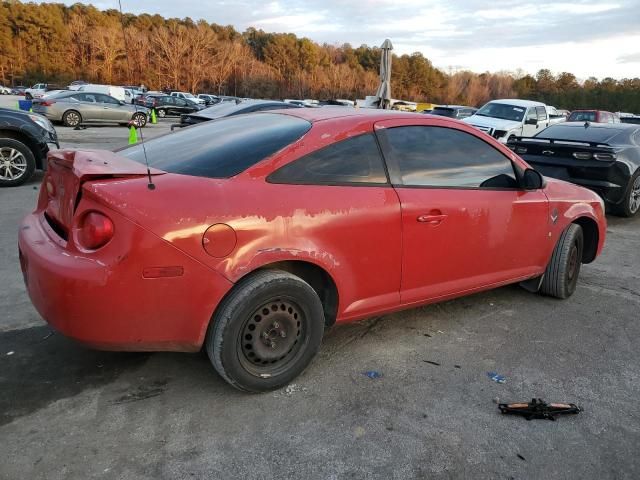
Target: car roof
224 109
331 112
451 106
518 103
613 133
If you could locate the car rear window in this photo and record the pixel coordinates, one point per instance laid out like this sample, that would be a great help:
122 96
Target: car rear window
220 148
444 112
579 133
582 117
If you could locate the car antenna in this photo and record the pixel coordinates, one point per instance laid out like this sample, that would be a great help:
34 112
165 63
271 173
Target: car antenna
150 185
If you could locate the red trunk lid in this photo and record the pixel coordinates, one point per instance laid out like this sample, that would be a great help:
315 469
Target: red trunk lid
68 169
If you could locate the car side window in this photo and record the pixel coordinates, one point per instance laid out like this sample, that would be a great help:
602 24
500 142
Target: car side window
180 102
109 99
89 97
356 160
532 114
542 114
424 156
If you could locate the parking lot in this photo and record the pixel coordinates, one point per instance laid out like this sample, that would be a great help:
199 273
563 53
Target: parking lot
70 412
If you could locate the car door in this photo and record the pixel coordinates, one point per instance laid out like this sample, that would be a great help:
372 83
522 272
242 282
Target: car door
465 222
181 106
530 126
359 215
90 107
543 118
112 111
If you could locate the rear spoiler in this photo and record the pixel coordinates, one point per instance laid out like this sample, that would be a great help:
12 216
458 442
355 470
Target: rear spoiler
556 142
549 147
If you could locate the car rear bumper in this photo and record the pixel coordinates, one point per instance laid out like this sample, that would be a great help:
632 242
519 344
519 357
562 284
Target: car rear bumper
609 180
124 303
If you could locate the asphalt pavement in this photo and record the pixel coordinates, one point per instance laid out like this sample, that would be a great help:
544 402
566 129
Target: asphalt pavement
429 411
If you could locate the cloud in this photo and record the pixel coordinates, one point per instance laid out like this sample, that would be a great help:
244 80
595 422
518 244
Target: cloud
631 58
504 35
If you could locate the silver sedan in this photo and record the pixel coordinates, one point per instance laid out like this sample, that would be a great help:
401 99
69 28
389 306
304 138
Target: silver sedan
76 108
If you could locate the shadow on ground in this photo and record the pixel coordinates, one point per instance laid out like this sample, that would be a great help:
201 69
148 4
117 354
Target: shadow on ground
45 367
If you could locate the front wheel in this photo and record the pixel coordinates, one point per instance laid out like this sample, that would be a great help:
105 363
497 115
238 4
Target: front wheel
139 120
162 113
17 163
266 331
561 276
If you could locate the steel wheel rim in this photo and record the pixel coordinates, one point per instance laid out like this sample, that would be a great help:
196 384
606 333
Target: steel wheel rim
73 118
13 163
161 113
273 338
634 196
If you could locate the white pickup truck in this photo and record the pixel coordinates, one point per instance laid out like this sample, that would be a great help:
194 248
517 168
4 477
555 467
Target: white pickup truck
510 118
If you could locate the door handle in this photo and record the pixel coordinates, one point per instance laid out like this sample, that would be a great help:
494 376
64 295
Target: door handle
431 219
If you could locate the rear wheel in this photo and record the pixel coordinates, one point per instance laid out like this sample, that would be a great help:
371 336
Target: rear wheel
162 113
28 96
267 330
561 276
631 203
71 118
17 163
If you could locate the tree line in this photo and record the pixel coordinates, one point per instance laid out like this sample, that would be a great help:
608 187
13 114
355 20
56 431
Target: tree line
56 44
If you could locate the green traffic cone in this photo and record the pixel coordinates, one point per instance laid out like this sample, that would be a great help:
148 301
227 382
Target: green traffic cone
18 105
133 135
30 110
154 119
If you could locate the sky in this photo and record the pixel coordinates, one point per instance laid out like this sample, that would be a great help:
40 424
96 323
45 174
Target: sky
584 37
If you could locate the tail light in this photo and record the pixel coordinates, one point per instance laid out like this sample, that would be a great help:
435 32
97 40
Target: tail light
46 103
94 230
582 155
605 157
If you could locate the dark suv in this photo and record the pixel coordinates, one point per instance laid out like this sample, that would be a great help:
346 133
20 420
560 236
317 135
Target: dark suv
453 111
166 105
24 144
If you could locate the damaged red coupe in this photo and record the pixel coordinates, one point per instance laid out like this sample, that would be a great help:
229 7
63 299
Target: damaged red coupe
249 235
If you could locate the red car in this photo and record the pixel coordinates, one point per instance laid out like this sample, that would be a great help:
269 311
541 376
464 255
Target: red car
593 116
250 234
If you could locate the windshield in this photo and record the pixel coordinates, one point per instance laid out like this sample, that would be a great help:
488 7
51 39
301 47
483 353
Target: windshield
188 95
220 148
503 111
582 117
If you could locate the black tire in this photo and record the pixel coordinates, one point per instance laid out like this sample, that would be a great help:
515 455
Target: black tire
561 276
161 112
28 96
139 119
71 118
23 163
250 340
631 203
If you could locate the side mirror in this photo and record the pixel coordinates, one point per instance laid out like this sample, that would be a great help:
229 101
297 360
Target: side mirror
531 121
533 180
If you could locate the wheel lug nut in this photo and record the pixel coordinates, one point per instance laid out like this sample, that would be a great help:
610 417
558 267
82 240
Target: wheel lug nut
283 334
276 325
273 344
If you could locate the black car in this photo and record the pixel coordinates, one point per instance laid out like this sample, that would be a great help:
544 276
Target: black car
209 99
604 157
453 111
166 105
227 109
24 143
